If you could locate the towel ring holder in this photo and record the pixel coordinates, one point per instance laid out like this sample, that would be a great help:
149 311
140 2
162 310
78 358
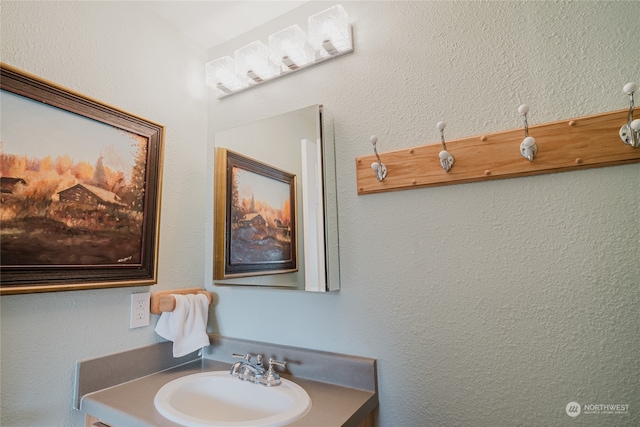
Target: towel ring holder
163 301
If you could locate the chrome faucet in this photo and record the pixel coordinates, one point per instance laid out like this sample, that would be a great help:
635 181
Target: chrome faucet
247 371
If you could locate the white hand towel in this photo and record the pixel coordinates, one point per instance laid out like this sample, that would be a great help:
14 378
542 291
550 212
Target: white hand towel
186 325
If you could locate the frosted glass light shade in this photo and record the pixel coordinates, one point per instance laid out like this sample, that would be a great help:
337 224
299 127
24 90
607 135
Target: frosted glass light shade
332 26
329 37
290 49
253 61
221 75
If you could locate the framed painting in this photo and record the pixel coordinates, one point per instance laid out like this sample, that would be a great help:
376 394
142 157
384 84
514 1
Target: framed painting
255 218
80 194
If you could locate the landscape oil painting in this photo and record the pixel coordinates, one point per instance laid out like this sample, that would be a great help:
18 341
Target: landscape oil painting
257 224
74 197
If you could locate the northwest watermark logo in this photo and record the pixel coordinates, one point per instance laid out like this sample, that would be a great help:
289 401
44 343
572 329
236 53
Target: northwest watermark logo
573 409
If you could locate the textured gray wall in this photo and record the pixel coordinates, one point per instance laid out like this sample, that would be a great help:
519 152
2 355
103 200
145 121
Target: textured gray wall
117 53
486 304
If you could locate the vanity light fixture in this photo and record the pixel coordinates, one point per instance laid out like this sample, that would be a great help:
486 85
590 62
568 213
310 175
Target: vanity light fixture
289 50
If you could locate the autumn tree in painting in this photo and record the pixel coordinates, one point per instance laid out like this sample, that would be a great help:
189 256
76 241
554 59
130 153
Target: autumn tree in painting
134 194
285 212
63 164
237 210
99 174
83 171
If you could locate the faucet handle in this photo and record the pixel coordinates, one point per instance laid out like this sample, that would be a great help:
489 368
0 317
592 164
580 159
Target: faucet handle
246 357
272 378
272 362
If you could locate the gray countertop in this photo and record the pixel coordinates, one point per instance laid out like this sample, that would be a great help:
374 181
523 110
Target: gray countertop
130 404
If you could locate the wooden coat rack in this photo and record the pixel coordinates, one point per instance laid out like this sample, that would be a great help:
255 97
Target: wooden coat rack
580 143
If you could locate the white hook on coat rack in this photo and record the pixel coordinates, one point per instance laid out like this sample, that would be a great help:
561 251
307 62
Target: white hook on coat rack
446 159
378 167
630 133
528 147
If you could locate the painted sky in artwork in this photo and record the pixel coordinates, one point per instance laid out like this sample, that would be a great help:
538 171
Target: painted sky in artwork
265 189
38 130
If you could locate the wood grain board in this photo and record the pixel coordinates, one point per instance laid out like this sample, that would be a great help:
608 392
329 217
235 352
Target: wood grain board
579 143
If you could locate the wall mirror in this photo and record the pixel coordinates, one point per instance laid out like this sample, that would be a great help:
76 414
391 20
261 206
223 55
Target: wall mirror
275 203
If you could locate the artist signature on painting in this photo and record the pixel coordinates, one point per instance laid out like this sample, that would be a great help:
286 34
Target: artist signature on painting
129 258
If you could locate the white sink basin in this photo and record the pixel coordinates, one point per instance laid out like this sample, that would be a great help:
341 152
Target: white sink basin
216 399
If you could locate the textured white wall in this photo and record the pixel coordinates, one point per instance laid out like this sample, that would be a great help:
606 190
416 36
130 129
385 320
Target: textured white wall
486 304
117 53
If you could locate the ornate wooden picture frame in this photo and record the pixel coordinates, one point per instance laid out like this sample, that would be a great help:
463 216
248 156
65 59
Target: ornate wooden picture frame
81 189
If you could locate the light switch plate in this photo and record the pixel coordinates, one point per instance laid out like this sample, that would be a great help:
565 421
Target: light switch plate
140 307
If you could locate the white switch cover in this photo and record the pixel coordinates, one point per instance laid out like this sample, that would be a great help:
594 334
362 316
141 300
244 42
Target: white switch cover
140 307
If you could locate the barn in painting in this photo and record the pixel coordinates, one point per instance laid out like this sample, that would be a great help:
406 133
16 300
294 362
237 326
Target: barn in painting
252 219
8 185
90 195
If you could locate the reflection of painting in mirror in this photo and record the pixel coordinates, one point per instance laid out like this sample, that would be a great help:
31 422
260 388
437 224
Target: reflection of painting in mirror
260 221
301 143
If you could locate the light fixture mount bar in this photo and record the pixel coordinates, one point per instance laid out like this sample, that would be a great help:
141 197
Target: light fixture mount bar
289 63
288 73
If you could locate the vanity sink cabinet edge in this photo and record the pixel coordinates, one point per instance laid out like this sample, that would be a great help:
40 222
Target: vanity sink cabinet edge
95 422
118 390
